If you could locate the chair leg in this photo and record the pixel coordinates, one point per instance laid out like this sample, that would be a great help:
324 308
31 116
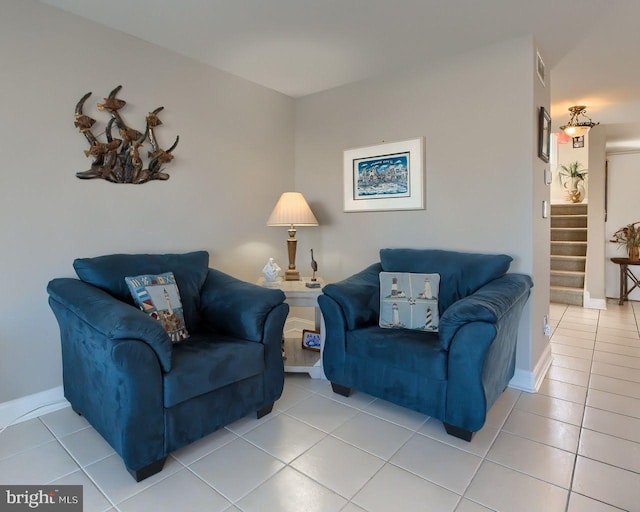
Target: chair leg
340 389
147 471
264 411
458 432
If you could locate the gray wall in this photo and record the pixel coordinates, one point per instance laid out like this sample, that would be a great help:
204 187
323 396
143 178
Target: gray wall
624 183
484 182
234 159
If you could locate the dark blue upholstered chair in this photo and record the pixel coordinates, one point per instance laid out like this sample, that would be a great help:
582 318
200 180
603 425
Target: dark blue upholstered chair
455 374
145 396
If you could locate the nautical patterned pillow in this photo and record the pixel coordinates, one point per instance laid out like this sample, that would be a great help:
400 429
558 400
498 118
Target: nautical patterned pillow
158 296
409 301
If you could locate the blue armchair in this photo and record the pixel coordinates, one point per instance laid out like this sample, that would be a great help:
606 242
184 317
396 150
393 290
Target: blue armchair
455 374
146 396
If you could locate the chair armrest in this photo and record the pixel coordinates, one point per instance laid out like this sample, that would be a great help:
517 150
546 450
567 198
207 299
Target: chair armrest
358 297
114 319
237 308
488 304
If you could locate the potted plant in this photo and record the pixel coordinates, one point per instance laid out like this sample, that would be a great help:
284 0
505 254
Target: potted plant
571 176
629 238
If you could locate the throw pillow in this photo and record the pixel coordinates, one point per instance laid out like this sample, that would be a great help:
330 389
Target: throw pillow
409 301
159 297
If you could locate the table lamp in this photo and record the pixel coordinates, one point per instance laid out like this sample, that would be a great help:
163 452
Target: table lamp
292 210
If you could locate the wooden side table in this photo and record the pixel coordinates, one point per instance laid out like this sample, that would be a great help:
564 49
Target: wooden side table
625 274
299 295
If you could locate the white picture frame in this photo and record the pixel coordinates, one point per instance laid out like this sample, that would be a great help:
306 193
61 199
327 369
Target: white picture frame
387 176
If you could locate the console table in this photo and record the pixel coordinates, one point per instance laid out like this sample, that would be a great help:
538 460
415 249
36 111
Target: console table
298 294
625 274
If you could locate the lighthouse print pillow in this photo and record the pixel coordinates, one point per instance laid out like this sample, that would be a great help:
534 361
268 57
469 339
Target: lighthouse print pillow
158 296
409 301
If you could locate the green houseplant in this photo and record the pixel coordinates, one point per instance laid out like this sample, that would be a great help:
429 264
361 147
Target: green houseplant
629 238
571 175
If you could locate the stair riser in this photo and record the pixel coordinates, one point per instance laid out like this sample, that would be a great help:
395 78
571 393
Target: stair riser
572 235
569 222
569 209
568 249
569 281
577 265
563 297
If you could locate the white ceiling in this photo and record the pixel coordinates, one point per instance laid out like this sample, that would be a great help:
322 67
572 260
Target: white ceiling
299 47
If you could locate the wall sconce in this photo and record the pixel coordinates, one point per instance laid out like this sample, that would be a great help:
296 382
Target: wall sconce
576 127
292 210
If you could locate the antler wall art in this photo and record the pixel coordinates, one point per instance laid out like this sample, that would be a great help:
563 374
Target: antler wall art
119 160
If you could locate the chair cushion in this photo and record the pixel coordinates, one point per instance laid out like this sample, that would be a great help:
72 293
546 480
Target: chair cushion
413 351
108 273
206 362
461 273
159 297
409 301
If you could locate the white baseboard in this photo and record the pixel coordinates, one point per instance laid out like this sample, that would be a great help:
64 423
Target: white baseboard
32 406
530 381
589 303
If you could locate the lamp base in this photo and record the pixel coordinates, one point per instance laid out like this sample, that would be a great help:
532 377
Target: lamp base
292 275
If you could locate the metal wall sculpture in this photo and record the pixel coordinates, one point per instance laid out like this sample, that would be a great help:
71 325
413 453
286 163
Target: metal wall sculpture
120 160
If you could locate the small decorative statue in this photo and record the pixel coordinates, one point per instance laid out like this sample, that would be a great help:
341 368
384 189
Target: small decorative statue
314 266
271 271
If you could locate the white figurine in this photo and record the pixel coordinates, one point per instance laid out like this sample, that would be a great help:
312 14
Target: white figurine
271 271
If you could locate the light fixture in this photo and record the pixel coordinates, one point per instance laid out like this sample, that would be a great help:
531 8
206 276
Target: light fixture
576 127
292 210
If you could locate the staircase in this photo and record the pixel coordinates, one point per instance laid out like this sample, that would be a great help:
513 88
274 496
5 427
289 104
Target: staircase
568 252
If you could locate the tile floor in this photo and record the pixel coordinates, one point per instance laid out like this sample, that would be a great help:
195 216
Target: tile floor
573 447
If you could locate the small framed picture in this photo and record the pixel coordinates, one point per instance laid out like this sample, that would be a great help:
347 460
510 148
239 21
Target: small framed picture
544 135
540 68
311 340
578 142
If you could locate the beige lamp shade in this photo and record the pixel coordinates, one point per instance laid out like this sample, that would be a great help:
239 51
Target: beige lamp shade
292 209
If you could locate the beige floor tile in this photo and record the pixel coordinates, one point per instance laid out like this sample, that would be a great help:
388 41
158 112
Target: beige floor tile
572 333
374 435
618 349
543 430
617 359
338 466
579 503
564 391
611 450
291 491
614 403
393 488
23 436
561 339
506 490
568 375
615 371
162 497
621 333
561 410
612 423
616 386
602 482
454 470
566 350
534 459
577 324
618 340
572 363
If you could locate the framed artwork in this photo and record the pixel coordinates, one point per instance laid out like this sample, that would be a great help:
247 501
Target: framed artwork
578 142
540 69
387 176
544 134
311 340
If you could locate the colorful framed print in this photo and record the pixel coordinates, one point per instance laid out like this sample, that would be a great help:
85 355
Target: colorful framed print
311 340
388 176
